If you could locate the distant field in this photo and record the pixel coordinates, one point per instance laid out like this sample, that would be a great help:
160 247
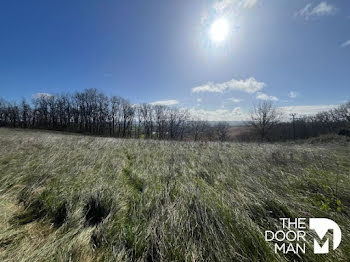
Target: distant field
237 130
78 198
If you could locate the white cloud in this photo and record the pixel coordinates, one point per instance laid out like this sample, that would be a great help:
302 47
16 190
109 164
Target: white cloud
262 96
249 85
304 11
235 114
293 94
234 100
227 5
305 110
199 100
249 3
322 9
220 6
345 44
39 95
165 102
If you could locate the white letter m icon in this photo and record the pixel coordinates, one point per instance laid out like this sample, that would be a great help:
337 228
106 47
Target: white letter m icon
321 226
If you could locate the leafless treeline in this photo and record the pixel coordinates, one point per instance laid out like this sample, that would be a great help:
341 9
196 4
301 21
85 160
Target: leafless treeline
332 121
92 112
266 124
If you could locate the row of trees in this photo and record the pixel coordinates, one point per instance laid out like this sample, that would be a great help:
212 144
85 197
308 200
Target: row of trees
331 121
266 123
92 112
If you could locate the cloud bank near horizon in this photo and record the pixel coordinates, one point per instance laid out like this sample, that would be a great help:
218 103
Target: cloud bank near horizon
166 102
249 85
239 114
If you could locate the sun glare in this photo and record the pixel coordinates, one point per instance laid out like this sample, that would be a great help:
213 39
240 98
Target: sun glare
219 30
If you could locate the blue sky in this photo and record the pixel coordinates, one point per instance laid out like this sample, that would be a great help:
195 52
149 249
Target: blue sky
296 53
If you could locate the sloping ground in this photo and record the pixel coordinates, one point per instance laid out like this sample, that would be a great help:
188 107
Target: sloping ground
77 198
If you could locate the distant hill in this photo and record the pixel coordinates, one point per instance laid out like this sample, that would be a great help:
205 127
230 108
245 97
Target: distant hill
231 123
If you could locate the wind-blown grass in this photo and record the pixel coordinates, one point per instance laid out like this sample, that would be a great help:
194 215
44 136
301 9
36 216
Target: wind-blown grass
78 198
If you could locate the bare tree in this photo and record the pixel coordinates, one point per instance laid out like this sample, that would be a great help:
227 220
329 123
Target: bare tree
116 113
146 111
128 112
198 129
263 118
176 123
343 111
325 120
161 120
3 112
51 105
222 130
25 114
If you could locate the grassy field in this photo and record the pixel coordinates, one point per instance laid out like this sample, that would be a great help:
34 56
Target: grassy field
78 198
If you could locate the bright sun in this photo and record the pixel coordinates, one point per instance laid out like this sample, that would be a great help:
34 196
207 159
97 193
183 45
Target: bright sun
219 30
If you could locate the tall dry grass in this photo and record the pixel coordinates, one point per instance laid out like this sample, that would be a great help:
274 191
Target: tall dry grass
76 198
